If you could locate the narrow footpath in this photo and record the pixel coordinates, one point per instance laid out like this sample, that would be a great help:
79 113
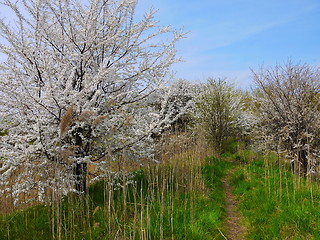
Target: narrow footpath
235 228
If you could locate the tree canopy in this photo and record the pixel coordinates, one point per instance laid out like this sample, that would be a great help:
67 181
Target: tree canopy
287 101
75 71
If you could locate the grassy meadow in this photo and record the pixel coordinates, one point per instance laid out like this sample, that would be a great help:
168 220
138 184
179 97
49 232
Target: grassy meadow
181 198
275 203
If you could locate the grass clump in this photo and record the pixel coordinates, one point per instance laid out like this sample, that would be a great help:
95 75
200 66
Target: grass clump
275 203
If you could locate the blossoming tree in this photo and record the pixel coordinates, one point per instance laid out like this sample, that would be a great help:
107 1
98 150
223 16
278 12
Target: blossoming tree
287 104
74 74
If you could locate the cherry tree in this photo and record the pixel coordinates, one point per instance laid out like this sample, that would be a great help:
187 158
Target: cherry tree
287 103
175 106
75 75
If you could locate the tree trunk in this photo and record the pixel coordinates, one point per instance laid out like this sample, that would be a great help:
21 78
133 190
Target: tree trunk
80 172
303 159
300 164
80 169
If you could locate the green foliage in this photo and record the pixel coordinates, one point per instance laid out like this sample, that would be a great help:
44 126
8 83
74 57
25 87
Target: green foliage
230 145
235 151
3 132
276 204
220 108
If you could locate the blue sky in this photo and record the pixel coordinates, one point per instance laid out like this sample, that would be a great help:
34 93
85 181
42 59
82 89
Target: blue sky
228 37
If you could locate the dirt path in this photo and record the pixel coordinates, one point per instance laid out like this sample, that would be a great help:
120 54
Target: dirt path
235 229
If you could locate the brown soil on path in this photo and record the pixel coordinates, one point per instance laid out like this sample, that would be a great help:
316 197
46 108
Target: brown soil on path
235 228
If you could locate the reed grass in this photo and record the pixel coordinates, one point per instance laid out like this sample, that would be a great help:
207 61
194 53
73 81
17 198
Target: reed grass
180 198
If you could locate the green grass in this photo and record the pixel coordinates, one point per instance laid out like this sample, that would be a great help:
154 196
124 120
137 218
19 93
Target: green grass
162 202
275 203
28 224
180 200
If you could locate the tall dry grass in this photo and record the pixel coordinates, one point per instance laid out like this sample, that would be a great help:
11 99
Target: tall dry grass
157 201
